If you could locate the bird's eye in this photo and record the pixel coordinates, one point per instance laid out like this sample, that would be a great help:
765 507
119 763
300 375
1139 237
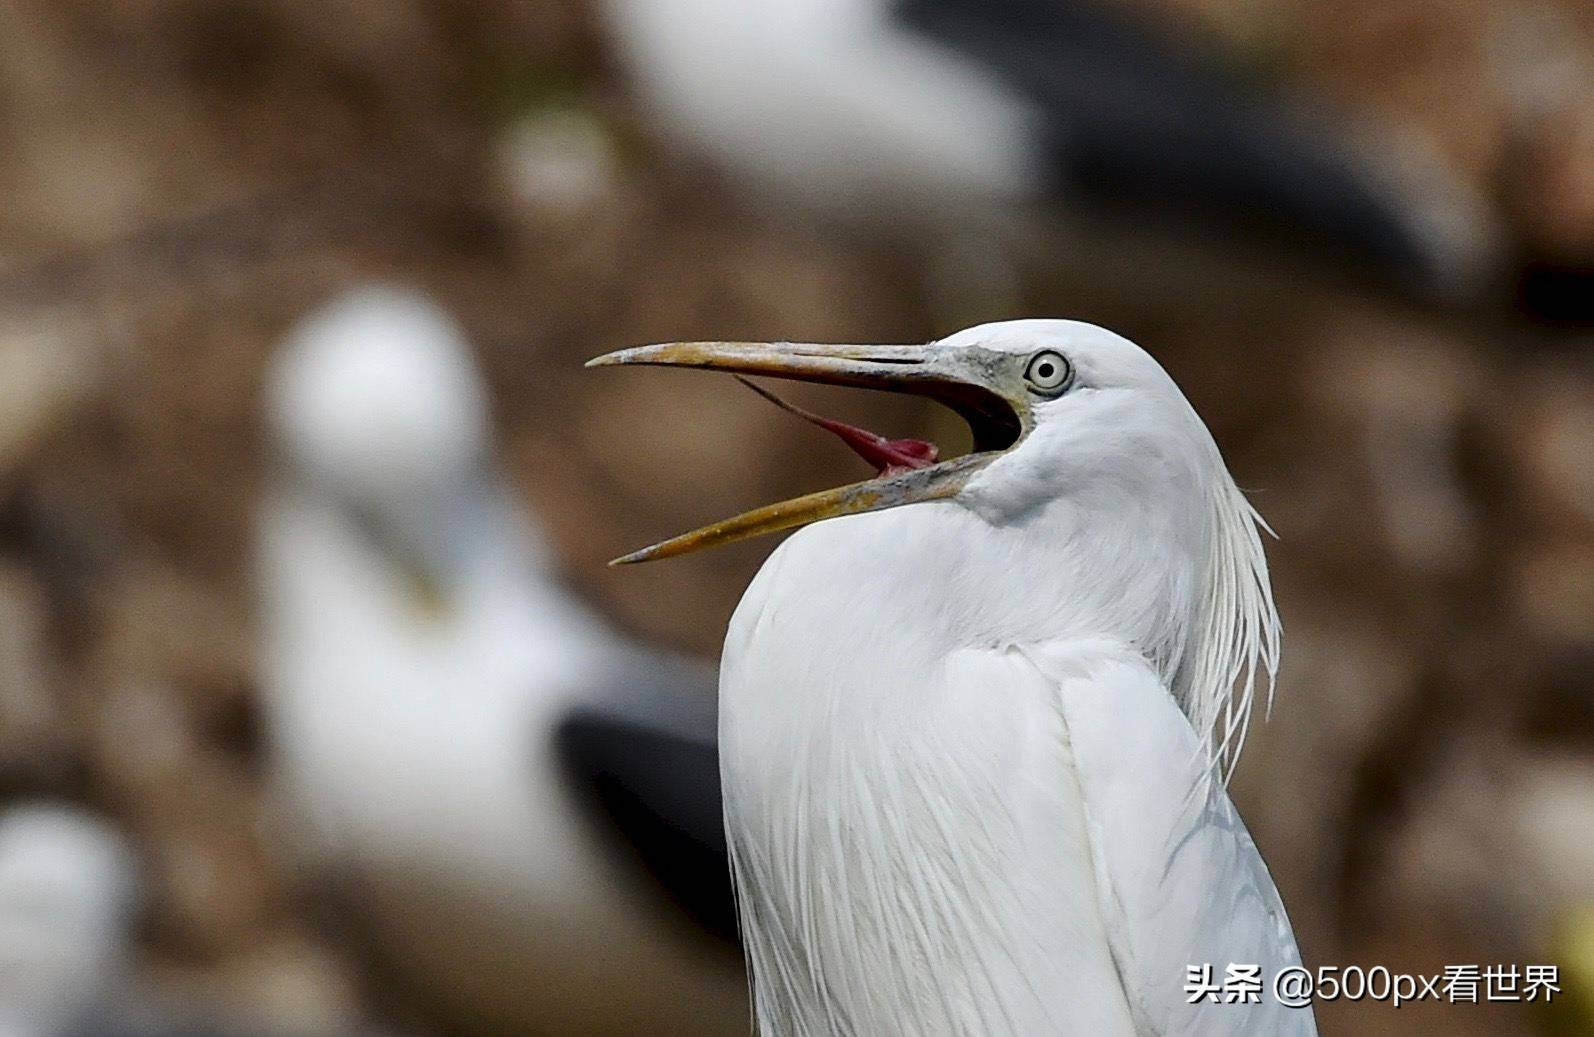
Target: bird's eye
1048 372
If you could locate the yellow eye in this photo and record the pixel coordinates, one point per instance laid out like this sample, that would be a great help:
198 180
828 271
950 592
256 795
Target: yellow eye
1048 372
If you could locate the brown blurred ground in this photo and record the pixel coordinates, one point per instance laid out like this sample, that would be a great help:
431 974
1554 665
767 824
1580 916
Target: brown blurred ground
181 180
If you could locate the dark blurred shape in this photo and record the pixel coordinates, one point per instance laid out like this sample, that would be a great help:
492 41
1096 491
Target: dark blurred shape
1133 120
660 786
1558 296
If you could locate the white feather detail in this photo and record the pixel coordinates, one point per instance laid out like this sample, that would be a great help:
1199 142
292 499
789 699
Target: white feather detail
1235 634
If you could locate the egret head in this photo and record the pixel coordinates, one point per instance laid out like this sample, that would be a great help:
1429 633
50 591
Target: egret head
376 404
1102 428
1086 455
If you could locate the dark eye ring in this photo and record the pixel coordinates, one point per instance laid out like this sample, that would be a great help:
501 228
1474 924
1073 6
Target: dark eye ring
1049 372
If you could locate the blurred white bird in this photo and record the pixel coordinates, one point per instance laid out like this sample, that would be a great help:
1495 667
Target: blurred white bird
463 743
972 732
964 114
67 888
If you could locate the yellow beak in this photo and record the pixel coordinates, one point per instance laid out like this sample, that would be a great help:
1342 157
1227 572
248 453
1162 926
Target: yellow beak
974 382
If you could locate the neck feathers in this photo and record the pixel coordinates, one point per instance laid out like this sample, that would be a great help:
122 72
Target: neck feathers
1233 640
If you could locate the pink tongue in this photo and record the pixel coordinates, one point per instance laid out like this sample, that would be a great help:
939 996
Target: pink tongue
889 456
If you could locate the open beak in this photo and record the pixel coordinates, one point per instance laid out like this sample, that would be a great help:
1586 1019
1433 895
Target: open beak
972 382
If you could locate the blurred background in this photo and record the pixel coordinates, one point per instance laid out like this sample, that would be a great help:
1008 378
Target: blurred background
183 182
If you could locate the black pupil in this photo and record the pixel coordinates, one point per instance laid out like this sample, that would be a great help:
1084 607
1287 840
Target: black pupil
1045 370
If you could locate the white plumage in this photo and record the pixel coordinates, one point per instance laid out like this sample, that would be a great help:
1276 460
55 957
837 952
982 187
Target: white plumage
973 733
67 895
419 655
826 102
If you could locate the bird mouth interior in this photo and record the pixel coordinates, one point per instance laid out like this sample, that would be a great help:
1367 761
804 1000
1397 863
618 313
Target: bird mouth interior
991 420
907 471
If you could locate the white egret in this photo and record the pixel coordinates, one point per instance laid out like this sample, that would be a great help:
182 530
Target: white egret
973 726
463 745
1067 114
